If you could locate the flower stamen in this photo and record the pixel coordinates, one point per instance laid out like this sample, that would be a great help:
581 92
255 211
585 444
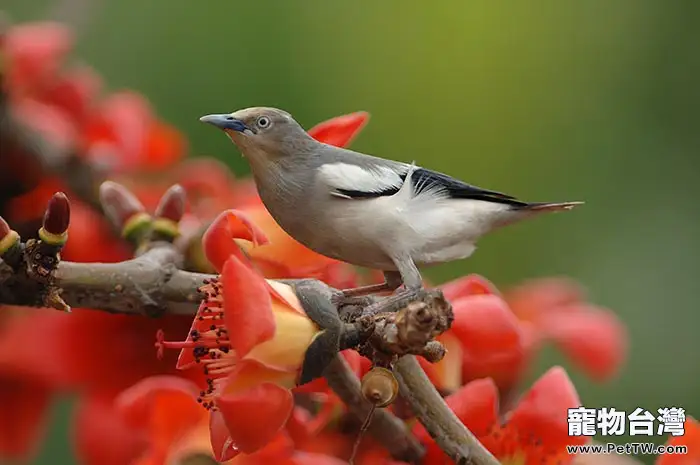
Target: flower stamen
207 343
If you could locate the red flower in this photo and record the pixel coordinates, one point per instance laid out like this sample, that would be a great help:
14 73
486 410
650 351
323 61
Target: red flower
485 340
690 439
535 431
500 334
102 437
125 131
28 379
593 337
250 336
83 340
33 53
341 130
164 410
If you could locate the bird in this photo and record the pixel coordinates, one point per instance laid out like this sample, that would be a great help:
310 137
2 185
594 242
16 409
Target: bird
364 210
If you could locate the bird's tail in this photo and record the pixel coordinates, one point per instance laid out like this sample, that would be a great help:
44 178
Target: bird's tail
524 210
550 207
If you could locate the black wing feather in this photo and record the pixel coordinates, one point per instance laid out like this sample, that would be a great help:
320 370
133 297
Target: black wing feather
425 179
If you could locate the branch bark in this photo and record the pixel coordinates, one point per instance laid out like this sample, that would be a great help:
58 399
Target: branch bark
385 427
152 284
441 423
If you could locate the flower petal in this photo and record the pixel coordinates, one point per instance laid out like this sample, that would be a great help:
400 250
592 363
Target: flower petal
218 240
253 417
164 145
247 307
341 130
166 408
475 404
542 411
137 403
308 458
492 341
281 256
221 441
22 416
592 337
293 334
469 285
536 299
249 373
34 52
691 439
101 435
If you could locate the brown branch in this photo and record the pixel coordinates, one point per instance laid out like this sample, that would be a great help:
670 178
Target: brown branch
152 284
441 423
385 427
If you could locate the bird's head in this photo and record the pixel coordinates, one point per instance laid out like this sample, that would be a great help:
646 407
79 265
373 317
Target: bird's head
261 133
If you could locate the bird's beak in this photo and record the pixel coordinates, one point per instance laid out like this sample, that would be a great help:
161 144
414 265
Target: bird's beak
227 123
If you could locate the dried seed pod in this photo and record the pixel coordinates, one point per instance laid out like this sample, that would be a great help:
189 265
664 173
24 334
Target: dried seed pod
379 386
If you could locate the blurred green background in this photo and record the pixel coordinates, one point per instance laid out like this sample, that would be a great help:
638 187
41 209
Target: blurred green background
546 100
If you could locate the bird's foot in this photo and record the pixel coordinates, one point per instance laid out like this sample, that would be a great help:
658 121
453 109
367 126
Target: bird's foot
400 299
369 289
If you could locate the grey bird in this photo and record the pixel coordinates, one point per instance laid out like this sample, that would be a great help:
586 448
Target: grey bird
364 210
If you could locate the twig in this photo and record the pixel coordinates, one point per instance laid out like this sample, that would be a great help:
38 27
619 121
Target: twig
385 427
441 423
147 285
151 284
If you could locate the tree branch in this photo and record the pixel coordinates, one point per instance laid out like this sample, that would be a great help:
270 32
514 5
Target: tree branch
385 427
441 423
152 284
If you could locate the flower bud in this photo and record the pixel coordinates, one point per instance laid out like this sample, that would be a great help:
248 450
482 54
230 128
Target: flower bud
123 209
379 386
169 212
54 229
8 237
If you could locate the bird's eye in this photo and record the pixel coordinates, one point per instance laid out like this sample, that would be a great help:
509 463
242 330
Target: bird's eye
263 122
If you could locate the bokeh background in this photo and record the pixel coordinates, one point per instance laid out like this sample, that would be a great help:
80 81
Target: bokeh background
546 100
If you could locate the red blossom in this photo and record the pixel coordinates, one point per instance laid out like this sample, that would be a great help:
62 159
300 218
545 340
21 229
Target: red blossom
689 439
500 334
125 123
28 379
535 431
34 53
102 437
219 241
341 130
593 337
74 92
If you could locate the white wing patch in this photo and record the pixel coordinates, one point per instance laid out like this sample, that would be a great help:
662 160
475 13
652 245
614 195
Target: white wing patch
344 176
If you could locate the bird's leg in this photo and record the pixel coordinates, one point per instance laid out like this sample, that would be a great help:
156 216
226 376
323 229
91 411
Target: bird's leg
392 281
411 277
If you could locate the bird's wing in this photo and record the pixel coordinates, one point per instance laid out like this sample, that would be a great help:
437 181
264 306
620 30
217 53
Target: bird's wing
374 178
352 180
